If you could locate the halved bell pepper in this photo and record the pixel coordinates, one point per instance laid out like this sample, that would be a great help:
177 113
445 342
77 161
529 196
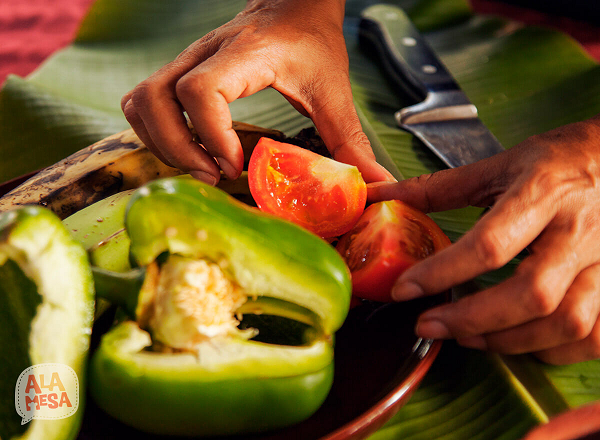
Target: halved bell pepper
184 366
46 312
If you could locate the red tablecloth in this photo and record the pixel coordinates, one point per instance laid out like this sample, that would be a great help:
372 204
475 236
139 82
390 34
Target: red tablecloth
31 30
587 34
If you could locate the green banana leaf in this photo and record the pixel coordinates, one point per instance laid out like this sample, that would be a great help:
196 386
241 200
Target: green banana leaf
524 80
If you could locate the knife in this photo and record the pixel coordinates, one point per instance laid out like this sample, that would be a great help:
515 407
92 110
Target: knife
443 119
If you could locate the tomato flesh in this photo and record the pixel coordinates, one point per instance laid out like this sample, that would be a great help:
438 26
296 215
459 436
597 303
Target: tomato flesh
388 238
322 195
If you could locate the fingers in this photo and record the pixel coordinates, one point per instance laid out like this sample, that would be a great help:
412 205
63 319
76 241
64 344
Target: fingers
139 128
535 291
205 92
334 116
570 353
546 200
551 299
571 326
510 226
517 300
477 184
574 424
201 83
156 115
237 60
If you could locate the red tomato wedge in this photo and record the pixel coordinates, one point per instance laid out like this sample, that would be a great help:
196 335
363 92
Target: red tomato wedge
320 194
388 238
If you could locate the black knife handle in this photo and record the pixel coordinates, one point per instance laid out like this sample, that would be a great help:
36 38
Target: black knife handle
407 57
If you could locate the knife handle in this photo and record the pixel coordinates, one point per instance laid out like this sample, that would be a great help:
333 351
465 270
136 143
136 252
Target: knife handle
407 57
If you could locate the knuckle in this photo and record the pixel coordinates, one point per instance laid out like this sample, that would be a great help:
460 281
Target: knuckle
424 180
470 322
489 249
328 91
540 182
130 113
143 94
546 180
354 141
191 86
252 36
125 99
427 181
541 299
318 97
184 87
468 326
577 325
359 138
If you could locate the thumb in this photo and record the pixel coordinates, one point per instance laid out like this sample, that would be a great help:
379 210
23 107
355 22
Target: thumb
477 184
336 120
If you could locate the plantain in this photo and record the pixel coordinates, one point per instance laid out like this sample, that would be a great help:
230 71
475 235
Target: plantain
100 228
90 189
114 164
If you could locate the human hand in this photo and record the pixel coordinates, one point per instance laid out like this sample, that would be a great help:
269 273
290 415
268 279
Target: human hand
545 194
295 46
575 424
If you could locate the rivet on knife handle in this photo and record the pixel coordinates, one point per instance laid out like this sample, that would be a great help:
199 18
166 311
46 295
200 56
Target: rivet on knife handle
406 53
413 65
411 61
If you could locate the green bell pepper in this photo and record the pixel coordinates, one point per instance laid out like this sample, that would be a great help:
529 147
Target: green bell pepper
184 367
46 311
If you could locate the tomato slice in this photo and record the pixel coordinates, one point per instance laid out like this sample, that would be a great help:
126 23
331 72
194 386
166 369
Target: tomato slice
389 237
322 195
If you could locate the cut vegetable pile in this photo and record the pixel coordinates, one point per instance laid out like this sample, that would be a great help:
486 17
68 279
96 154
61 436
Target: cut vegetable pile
224 309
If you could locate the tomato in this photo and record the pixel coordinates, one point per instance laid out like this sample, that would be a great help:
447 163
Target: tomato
389 237
322 195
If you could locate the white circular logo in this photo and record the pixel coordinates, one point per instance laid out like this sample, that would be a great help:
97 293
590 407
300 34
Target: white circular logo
47 391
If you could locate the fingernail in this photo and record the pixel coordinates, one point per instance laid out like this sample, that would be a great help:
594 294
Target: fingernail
432 329
476 342
405 291
227 168
390 176
204 176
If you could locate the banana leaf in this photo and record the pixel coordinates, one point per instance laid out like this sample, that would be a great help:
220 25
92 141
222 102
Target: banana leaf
524 80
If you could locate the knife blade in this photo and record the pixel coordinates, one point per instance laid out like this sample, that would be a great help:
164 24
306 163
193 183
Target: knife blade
444 118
